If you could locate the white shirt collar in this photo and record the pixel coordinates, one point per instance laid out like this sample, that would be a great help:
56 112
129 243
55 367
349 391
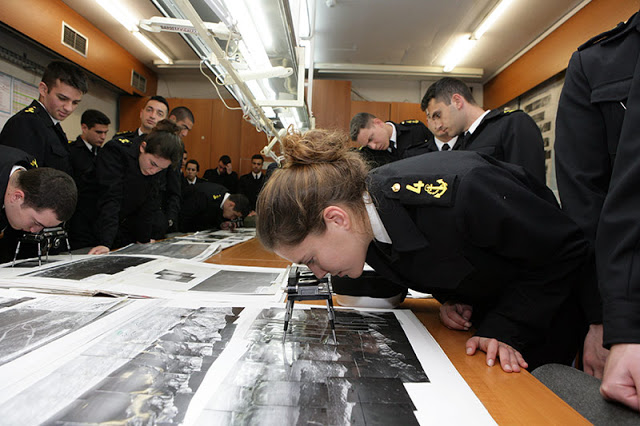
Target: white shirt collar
392 139
451 143
192 182
52 119
224 200
88 145
476 123
379 231
256 175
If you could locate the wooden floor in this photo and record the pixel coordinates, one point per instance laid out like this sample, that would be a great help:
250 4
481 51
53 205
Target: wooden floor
511 398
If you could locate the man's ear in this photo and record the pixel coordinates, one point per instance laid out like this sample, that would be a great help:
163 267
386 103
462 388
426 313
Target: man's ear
16 196
376 121
232 205
143 145
457 100
42 89
336 216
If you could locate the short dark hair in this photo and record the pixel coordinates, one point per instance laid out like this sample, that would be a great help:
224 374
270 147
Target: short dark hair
47 188
225 159
67 73
164 142
359 121
182 112
257 157
160 99
242 205
443 89
91 117
193 162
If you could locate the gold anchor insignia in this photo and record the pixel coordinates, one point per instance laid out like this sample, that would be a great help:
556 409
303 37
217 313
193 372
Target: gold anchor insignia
215 197
34 163
434 190
416 187
395 187
124 140
30 109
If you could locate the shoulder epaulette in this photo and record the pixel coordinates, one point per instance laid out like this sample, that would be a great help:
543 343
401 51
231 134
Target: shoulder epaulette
621 27
409 122
509 110
424 189
124 140
31 109
123 132
34 163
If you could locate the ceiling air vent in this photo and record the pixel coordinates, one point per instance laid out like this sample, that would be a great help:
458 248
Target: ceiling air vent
138 82
74 40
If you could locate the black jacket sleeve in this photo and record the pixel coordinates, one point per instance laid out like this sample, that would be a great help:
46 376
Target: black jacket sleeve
582 170
111 172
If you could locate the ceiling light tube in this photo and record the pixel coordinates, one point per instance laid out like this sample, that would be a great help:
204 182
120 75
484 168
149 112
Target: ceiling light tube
155 49
120 14
459 51
490 19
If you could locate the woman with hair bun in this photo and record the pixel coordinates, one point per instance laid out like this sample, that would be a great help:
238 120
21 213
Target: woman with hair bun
126 170
485 237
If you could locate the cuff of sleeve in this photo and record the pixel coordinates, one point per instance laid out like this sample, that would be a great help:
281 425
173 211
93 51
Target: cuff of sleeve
621 323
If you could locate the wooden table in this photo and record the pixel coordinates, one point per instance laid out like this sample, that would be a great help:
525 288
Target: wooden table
510 398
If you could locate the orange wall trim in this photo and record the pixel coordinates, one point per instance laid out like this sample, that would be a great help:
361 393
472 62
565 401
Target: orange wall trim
41 20
551 55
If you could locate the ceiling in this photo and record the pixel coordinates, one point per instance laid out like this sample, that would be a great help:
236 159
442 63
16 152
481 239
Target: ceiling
395 33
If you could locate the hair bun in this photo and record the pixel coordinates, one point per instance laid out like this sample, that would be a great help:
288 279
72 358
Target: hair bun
314 146
167 125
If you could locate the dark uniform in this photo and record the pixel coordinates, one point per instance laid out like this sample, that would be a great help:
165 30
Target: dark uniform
32 131
127 197
170 200
82 226
10 157
229 181
201 210
411 140
472 229
251 187
510 136
597 150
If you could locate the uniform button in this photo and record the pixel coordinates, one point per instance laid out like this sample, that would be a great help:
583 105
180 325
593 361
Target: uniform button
395 187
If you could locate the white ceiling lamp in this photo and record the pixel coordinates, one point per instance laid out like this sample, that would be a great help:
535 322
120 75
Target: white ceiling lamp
127 20
462 46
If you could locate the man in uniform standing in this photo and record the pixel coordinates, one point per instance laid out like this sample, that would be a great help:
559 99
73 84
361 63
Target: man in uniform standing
383 142
36 129
251 184
84 151
597 149
510 136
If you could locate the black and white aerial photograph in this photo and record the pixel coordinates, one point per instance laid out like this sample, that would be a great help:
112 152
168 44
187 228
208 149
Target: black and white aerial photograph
307 378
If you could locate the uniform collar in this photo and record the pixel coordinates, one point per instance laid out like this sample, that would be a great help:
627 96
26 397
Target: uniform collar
379 231
45 110
476 123
451 143
393 139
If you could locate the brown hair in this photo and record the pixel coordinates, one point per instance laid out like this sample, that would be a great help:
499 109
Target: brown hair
319 171
164 142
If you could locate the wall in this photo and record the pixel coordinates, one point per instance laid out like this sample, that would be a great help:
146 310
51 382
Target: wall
100 96
551 55
42 20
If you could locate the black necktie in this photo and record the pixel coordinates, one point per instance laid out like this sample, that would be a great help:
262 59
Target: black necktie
445 147
94 150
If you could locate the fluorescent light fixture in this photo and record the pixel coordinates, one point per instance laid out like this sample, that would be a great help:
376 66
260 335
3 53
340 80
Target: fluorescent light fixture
393 70
463 45
159 53
460 49
491 19
251 46
157 24
120 14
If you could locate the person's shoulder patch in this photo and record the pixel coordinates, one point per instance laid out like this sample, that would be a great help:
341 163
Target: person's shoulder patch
435 190
31 109
216 196
124 141
410 122
509 110
34 163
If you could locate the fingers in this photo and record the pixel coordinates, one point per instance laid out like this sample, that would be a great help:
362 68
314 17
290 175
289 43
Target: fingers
452 316
511 360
